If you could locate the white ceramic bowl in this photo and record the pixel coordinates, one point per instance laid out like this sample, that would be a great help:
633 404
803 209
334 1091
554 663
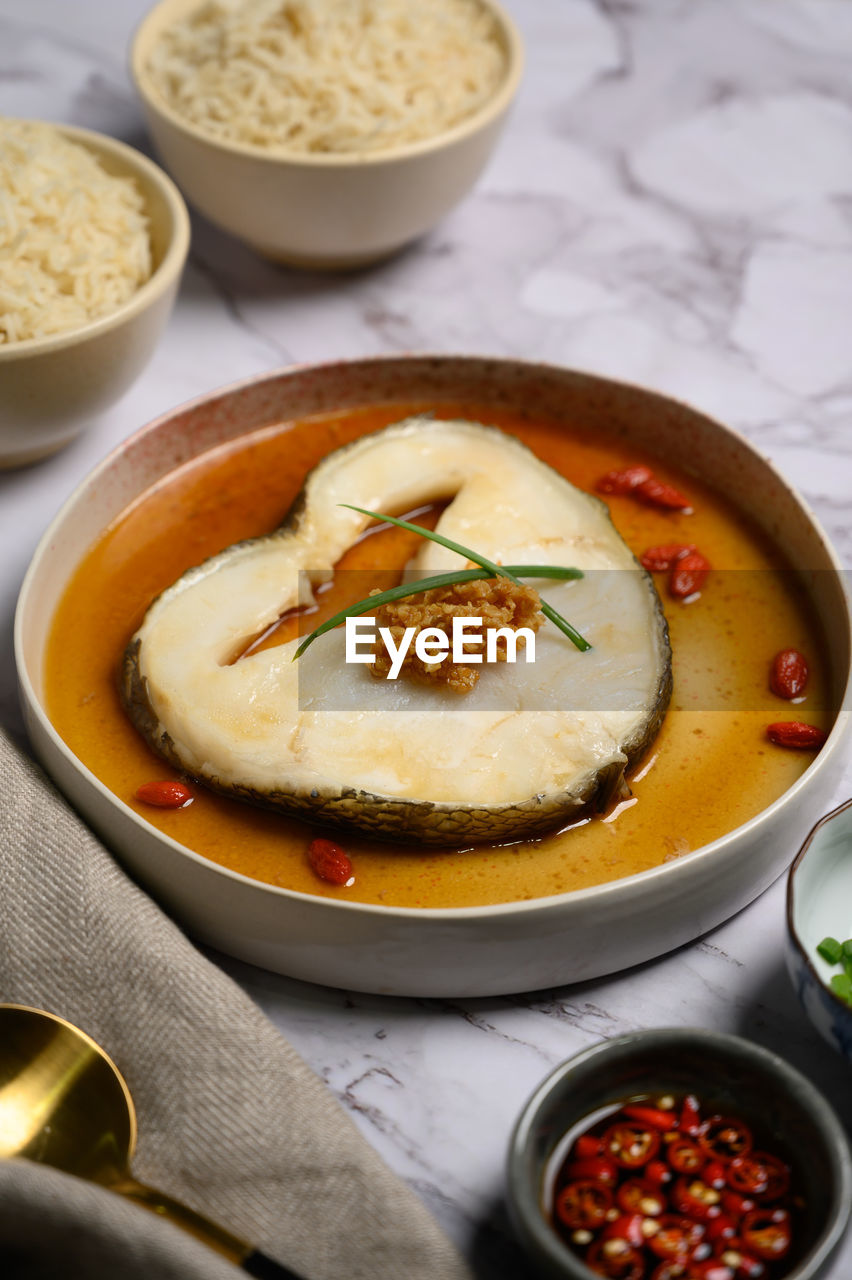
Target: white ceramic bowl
321 210
819 905
440 952
51 388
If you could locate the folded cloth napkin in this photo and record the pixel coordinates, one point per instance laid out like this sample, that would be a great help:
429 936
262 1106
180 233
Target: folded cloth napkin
231 1120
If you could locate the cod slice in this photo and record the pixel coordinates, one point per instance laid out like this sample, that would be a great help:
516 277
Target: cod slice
533 746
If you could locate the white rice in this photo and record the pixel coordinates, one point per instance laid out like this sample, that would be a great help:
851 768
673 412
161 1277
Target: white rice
329 75
74 242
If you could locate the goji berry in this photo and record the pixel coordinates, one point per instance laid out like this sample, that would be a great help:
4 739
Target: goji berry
658 494
329 861
165 794
789 674
795 734
658 559
688 575
624 481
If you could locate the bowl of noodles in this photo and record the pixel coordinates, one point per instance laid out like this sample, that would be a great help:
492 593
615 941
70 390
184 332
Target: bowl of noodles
326 135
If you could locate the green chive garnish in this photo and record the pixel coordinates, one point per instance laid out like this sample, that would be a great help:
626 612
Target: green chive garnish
839 953
841 985
427 584
495 570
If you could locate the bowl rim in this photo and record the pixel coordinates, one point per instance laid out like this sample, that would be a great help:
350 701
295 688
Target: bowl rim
792 931
593 893
524 1200
160 280
154 21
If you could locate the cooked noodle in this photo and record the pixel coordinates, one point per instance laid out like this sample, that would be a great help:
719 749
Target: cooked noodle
329 75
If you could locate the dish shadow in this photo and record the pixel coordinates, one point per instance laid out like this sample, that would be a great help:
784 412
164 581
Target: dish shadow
759 1020
494 1252
226 258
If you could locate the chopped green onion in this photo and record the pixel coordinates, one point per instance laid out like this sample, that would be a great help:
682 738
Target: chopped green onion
831 950
841 985
497 570
839 953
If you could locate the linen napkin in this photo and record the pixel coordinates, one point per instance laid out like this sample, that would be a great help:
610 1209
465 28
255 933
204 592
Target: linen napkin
231 1120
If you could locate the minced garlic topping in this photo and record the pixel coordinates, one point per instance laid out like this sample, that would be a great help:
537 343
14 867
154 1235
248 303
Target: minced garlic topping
500 603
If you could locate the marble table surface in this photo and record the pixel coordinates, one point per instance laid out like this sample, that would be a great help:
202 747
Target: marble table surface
671 204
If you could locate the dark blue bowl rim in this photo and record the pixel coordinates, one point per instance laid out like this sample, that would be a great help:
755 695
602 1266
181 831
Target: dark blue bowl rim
791 892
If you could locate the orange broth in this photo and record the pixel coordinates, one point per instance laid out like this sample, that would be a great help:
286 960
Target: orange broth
710 769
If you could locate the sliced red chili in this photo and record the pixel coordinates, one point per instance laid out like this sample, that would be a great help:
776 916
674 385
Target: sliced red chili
615 1259
777 1175
690 1116
627 1226
722 1230
759 1174
745 1266
736 1204
639 1195
631 1144
586 1146
651 1117
725 1138
767 1233
660 1193
712 1269
583 1205
657 1172
678 1269
694 1198
714 1173
595 1169
676 1238
669 1269
685 1155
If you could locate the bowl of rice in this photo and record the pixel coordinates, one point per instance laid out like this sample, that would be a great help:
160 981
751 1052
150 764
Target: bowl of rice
93 240
326 133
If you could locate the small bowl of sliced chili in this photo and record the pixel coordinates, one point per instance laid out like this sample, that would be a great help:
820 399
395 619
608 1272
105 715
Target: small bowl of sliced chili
679 1154
819 927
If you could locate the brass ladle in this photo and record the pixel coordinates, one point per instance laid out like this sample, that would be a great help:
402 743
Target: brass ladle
64 1102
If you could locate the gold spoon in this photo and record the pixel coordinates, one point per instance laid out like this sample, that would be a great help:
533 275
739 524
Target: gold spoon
64 1102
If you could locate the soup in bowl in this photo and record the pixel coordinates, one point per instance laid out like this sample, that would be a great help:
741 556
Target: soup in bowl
701 815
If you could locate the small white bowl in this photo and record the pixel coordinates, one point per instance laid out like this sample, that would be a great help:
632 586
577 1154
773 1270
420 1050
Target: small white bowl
322 210
819 905
51 388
